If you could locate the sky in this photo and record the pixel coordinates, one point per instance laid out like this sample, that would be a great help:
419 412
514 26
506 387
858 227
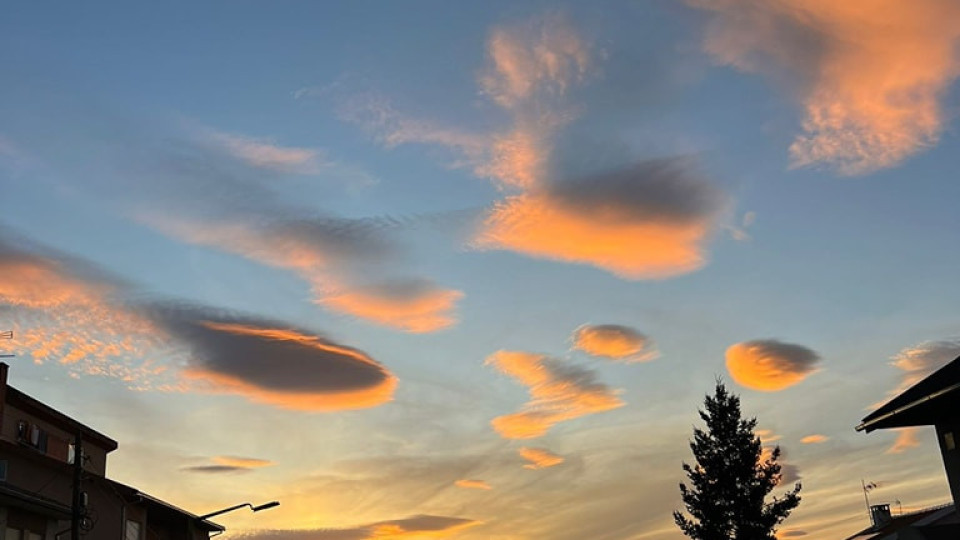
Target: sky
466 270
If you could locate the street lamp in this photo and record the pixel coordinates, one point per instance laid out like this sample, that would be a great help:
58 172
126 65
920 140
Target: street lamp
263 506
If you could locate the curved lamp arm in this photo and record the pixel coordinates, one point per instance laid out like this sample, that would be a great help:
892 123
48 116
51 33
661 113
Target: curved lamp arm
263 506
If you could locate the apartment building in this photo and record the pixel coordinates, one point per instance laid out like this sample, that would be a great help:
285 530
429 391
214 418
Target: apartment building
38 452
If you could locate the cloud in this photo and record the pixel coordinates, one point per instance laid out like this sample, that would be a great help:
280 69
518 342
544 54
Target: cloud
789 473
814 439
228 464
265 154
63 314
558 392
35 277
650 220
273 363
539 58
531 66
925 358
539 458
245 462
767 435
870 77
472 484
906 439
614 341
416 306
793 533
420 526
336 256
921 360
215 469
770 365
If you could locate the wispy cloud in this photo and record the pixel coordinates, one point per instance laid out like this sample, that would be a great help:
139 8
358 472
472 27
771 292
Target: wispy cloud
614 341
266 154
906 439
922 359
539 458
770 365
421 526
558 392
814 439
469 483
871 77
353 265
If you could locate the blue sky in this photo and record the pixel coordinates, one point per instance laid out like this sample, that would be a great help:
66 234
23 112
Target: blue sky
345 241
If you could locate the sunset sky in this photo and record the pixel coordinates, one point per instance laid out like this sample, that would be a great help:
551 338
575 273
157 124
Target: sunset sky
434 269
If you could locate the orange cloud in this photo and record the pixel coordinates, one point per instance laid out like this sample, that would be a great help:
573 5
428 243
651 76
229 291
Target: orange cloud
326 253
277 366
906 439
814 439
244 462
539 458
767 436
613 341
416 309
472 484
650 220
770 365
414 527
871 76
558 392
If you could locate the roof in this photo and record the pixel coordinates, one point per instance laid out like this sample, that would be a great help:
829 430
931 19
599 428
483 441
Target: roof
927 519
930 401
164 508
20 498
32 405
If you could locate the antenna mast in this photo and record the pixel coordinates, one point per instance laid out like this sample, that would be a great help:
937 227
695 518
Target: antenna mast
6 335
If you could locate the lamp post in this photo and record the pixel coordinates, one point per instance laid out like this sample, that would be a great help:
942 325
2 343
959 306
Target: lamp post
263 506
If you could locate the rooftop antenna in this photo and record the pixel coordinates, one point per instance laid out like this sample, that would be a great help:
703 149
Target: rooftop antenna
6 335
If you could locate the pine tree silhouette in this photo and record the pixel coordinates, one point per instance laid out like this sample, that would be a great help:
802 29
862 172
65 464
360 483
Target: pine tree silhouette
732 478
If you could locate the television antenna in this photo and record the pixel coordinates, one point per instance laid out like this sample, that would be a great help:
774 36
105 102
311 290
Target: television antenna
6 335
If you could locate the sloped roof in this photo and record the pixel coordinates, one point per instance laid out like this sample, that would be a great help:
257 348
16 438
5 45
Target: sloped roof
930 401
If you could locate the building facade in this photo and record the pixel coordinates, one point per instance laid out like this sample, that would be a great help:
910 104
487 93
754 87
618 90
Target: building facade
38 474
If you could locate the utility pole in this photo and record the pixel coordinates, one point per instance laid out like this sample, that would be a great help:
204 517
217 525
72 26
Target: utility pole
77 513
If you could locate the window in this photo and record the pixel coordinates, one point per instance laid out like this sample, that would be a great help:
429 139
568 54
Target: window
11 534
33 536
32 435
132 531
948 440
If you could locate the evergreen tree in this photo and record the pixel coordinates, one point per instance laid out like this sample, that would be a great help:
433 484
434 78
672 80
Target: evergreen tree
732 478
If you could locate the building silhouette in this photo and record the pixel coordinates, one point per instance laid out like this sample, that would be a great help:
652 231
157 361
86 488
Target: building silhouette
934 401
38 474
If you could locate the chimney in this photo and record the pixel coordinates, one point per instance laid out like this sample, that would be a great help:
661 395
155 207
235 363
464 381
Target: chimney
880 515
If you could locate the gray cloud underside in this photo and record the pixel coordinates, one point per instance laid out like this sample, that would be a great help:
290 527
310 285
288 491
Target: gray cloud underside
798 358
293 365
215 469
663 190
